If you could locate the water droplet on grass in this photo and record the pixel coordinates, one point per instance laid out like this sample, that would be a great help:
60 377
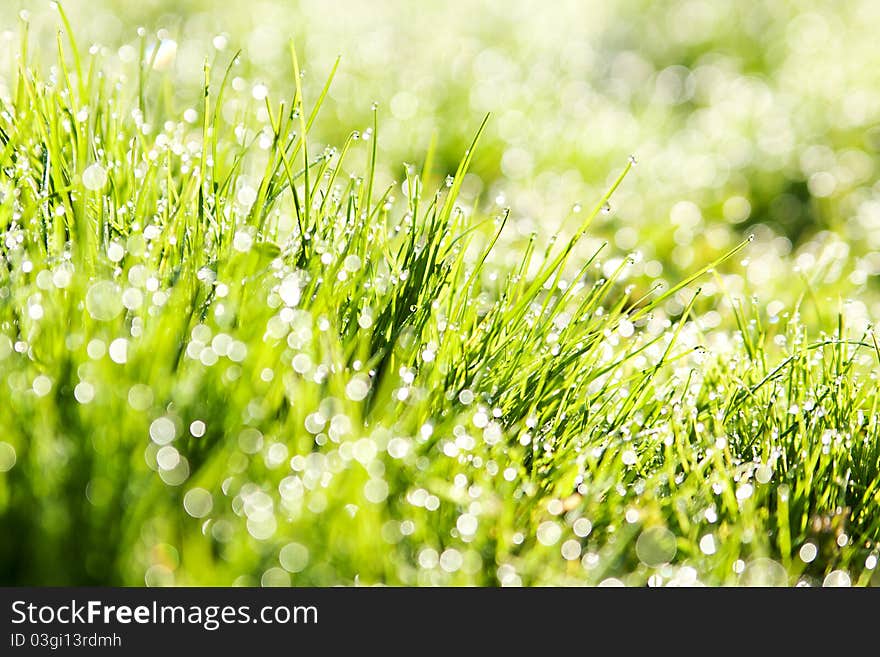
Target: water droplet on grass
198 502
582 527
294 557
837 579
707 544
250 440
94 177
275 578
376 490
763 474
656 546
167 458
132 298
451 560
176 475
744 492
289 290
247 195
162 430
118 351
115 251
808 552
7 457
764 572
549 533
140 397
352 263
84 392
467 524
158 575
42 385
242 241
165 55
357 388
103 301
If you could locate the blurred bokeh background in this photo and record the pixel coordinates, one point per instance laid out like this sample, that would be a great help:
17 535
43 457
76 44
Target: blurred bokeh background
746 117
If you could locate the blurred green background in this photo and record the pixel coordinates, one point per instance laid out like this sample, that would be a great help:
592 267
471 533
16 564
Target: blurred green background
746 117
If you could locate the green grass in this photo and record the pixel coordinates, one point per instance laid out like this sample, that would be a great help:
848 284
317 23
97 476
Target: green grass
230 356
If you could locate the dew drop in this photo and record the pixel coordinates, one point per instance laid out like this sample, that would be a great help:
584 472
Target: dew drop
104 301
198 502
656 546
294 557
764 572
808 552
115 251
94 177
162 430
118 351
7 457
837 579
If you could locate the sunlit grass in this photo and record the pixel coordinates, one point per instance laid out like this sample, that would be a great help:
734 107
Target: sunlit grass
228 356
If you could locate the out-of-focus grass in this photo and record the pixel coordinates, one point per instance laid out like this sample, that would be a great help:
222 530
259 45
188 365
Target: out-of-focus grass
232 354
